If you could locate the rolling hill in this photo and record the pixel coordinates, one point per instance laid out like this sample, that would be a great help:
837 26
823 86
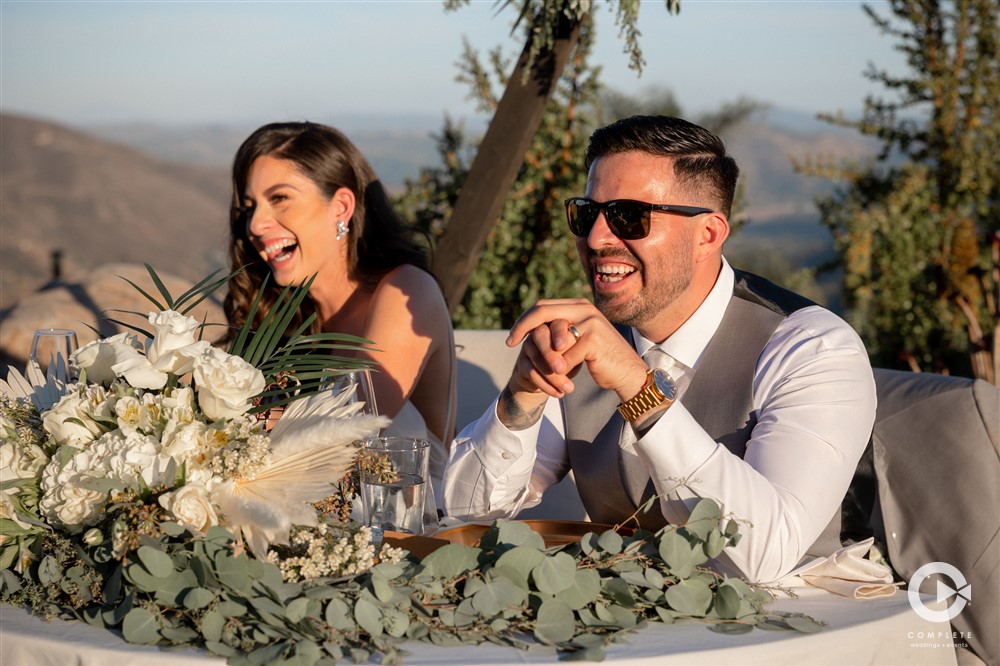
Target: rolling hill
97 202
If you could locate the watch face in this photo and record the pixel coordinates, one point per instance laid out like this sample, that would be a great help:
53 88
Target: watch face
665 384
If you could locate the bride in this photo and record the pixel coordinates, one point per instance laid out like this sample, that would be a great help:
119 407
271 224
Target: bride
306 202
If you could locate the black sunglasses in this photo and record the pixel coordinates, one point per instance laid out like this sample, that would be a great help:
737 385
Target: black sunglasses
628 219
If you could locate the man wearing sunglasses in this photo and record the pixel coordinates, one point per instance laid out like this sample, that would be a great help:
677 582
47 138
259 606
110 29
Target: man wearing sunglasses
684 379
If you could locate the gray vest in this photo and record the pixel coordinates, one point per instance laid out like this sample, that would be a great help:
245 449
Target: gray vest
720 398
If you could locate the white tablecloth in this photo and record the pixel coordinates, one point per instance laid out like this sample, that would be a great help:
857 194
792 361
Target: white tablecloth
871 631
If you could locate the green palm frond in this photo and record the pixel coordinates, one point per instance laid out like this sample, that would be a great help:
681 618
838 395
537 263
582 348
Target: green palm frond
293 365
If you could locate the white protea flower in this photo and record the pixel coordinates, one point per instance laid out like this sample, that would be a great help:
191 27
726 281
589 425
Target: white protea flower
312 448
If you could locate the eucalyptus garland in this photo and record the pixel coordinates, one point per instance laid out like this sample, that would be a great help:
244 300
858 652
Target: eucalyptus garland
205 591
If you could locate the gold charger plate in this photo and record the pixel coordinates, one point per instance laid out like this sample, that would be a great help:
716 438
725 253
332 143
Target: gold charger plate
554 532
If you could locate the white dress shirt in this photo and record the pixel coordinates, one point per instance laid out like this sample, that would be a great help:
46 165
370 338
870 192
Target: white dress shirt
814 398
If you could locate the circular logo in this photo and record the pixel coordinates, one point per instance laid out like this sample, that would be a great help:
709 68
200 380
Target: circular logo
960 591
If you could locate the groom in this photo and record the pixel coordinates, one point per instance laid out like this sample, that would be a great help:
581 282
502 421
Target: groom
685 379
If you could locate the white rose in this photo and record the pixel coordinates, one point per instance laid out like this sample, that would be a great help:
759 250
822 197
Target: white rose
69 421
99 356
191 507
225 384
174 346
136 369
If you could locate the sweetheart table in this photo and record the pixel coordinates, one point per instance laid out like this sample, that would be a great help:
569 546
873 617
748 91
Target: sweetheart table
871 631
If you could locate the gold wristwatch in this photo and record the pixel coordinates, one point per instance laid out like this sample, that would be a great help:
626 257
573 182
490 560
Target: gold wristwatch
659 391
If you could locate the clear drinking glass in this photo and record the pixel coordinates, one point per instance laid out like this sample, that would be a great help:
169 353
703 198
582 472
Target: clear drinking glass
360 383
50 351
394 483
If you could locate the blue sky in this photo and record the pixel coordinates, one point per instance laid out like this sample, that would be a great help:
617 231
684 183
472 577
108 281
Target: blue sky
178 62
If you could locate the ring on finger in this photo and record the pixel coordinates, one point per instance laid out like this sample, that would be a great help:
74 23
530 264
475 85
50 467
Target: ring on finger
576 333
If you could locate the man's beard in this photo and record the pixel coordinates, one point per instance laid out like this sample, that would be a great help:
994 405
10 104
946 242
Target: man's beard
658 291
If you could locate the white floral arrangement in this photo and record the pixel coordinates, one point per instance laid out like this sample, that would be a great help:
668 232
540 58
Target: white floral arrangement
131 445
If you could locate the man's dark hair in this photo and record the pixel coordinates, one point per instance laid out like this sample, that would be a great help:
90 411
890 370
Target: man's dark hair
699 156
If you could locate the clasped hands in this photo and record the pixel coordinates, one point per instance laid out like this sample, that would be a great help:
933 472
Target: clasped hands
552 355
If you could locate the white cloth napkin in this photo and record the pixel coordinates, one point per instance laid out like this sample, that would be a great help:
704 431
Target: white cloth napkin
847 573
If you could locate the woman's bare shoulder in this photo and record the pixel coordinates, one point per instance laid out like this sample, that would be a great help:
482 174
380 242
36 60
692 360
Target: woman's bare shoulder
409 293
411 283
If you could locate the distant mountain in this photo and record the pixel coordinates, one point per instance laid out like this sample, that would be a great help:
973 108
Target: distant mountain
160 194
96 202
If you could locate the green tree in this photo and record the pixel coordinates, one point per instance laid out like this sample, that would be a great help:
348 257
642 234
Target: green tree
916 229
530 253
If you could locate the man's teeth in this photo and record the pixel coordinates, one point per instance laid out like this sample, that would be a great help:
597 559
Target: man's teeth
614 273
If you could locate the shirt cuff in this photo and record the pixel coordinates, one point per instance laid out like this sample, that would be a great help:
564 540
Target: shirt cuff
676 447
502 452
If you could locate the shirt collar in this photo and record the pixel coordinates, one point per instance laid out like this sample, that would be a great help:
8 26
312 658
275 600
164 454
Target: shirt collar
688 342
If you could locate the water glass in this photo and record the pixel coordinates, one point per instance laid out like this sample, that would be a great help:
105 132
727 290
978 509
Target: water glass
51 349
394 483
360 383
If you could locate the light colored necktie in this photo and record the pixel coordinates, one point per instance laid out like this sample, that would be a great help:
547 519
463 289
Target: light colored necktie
636 473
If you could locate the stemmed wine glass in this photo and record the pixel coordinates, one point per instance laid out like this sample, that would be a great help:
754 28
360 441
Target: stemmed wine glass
359 383
50 352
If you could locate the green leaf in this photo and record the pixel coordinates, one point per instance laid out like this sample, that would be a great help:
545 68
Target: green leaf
584 654
554 622
396 622
518 563
803 624
380 586
732 628
451 560
338 615
714 543
49 571
198 597
212 623
610 542
233 572
368 616
618 591
705 515
727 602
690 597
498 595
503 534
156 562
141 627
676 553
555 573
585 588
297 609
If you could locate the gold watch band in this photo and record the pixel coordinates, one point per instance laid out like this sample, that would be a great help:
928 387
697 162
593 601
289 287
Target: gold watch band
646 399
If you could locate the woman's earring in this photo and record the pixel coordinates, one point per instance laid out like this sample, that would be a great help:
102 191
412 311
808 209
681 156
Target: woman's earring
341 229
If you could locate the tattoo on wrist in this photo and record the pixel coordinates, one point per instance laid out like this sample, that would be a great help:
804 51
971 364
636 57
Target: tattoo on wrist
512 415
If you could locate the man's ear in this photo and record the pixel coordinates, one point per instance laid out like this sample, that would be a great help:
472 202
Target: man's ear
712 232
342 204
